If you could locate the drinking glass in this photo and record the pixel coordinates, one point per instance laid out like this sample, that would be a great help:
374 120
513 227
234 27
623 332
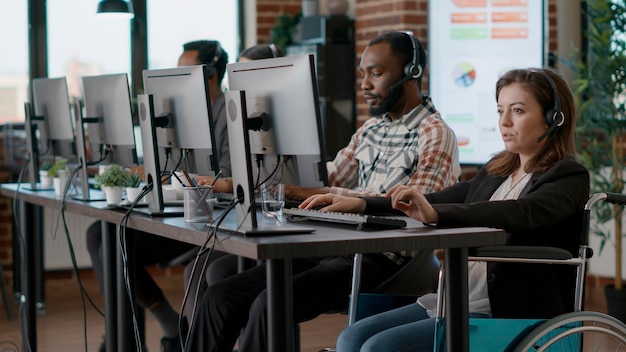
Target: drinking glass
273 199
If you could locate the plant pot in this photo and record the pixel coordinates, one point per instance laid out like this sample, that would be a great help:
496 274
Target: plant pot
113 195
616 302
133 192
44 179
59 185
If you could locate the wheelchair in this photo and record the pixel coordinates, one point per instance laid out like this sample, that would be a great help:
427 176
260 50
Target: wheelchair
576 331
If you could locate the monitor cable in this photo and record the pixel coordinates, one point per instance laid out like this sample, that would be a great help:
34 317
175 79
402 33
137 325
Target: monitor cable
206 247
21 239
83 292
124 254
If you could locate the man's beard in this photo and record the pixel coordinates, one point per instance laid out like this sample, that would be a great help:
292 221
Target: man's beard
388 103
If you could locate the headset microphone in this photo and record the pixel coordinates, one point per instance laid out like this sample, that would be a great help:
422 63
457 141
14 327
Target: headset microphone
549 130
399 83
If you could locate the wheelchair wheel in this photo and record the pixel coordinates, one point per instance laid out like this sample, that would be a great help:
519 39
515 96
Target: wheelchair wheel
577 331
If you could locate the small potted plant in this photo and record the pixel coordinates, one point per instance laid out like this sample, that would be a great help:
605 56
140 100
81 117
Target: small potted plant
59 176
133 185
112 181
44 179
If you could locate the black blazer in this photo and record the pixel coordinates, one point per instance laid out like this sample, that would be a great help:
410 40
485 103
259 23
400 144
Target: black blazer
547 213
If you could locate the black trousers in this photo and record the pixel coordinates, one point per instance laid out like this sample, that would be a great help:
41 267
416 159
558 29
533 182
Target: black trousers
240 301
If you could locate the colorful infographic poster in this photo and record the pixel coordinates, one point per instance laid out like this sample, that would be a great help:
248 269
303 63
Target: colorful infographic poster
471 44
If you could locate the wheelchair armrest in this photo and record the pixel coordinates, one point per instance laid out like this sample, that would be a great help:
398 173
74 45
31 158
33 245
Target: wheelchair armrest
526 252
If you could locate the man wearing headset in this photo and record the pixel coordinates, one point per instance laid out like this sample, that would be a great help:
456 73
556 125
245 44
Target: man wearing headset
405 142
156 249
210 52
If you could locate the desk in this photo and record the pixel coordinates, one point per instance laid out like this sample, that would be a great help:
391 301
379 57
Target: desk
278 251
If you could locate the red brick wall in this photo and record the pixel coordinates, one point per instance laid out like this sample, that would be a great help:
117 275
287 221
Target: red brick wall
268 10
6 233
373 17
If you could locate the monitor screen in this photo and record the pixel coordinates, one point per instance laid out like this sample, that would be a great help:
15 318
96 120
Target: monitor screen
52 103
285 89
183 116
108 115
52 118
181 94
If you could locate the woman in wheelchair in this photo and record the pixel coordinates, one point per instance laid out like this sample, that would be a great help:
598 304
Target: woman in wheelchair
534 189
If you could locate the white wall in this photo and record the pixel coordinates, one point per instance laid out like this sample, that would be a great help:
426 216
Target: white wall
56 247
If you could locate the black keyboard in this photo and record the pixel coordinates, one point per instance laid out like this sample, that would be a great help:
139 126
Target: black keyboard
346 218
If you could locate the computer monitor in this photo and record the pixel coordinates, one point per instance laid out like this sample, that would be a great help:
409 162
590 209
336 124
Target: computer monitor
51 103
175 113
109 117
48 124
285 90
273 109
182 105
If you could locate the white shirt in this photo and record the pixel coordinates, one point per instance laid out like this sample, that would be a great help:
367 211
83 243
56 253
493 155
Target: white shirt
478 296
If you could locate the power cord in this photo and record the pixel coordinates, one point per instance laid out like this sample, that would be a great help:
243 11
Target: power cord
211 235
124 253
83 293
21 239
13 347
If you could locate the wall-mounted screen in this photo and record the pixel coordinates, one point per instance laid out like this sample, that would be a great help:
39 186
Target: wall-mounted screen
471 44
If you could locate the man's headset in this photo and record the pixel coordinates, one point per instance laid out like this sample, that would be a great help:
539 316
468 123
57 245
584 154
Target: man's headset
554 116
413 69
211 69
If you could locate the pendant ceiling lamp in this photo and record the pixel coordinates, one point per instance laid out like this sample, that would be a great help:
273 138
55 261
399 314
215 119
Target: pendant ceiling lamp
116 8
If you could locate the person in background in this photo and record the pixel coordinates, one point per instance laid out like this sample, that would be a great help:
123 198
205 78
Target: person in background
405 142
157 249
228 263
534 189
211 53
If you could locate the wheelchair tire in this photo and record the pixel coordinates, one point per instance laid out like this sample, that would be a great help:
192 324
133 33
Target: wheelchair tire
570 332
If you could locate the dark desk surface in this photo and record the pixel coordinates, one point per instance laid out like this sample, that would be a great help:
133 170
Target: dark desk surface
327 239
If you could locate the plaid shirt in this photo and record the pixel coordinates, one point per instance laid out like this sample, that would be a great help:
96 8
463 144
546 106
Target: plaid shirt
418 150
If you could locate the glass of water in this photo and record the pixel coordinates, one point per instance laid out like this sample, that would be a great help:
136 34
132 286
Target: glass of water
273 200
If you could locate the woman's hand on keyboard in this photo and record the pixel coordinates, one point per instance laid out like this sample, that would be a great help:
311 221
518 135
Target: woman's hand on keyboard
413 204
335 203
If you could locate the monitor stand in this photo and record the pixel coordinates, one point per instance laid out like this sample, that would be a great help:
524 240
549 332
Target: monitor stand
87 194
151 163
270 229
247 221
32 149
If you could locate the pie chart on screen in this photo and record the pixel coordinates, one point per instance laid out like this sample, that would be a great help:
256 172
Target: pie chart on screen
464 74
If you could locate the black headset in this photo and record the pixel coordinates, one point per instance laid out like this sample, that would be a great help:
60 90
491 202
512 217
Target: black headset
412 70
552 115
211 69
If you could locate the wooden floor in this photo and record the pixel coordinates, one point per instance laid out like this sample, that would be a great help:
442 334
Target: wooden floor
61 327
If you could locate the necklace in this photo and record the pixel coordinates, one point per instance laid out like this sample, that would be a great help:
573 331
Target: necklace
514 191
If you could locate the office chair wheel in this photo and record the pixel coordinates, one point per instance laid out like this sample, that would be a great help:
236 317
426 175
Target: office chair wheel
577 331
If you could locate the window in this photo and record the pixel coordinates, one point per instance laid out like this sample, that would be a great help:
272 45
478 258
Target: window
80 43
173 23
14 60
